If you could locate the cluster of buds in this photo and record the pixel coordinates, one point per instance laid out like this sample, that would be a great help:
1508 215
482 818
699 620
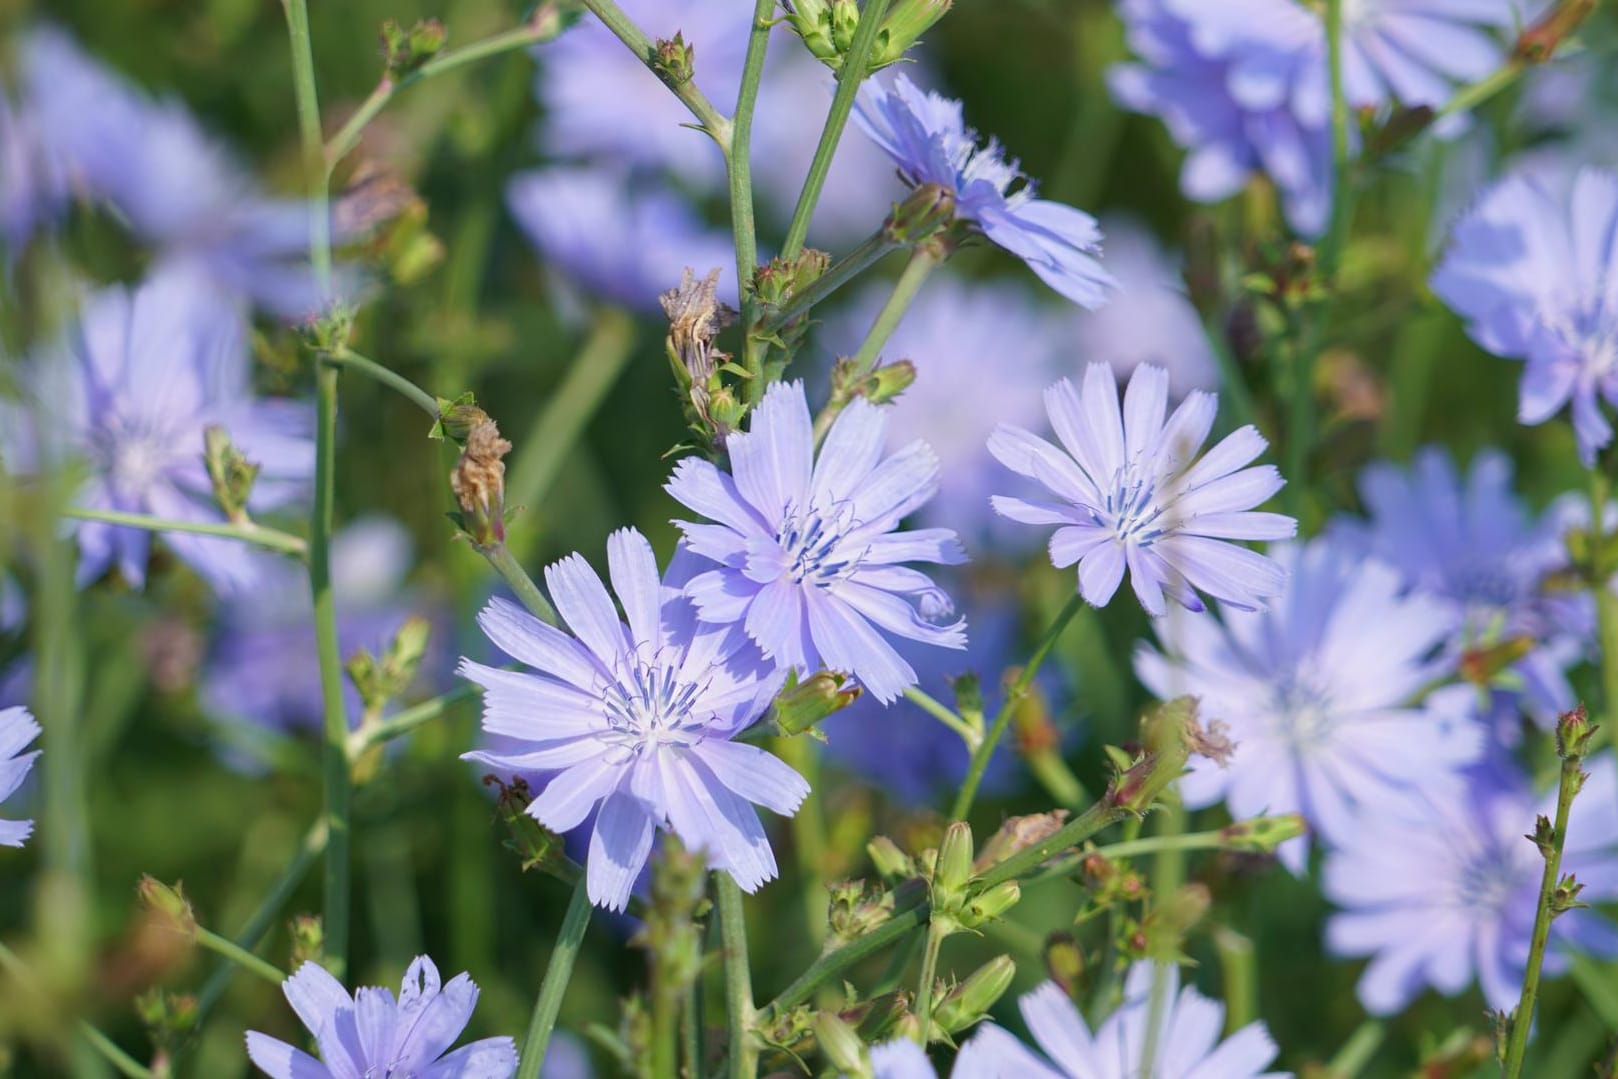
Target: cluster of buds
964 1005
384 222
230 473
380 680
854 908
1110 882
479 477
879 387
674 60
405 51
827 28
170 1020
802 705
776 286
1261 835
1168 734
536 845
957 905
923 216
696 317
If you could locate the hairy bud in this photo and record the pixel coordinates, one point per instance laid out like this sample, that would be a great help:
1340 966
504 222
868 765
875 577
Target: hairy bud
479 481
800 706
231 473
674 60
405 51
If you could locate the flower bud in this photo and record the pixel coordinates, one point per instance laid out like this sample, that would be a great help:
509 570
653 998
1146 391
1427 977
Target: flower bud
801 705
534 843
673 60
1166 732
953 867
455 418
845 20
308 939
1573 734
969 1002
927 209
902 26
1017 834
479 482
989 905
404 51
891 862
840 1043
1262 834
1566 895
811 21
1481 666
1064 961
169 1018
855 907
168 903
231 473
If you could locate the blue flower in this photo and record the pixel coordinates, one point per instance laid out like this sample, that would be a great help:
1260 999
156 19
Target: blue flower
17 729
32 187
1187 1038
809 559
1473 547
1129 494
637 719
927 137
954 404
172 185
622 241
1414 52
131 391
1533 271
1315 699
1223 78
900 1059
1442 889
371 1034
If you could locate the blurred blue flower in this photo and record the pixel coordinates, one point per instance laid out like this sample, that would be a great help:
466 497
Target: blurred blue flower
810 562
373 1034
637 719
130 390
1472 546
1148 320
1442 889
955 401
905 751
1129 494
32 187
900 1058
621 240
927 137
1532 270
1223 78
17 729
1186 1037
1315 694
263 671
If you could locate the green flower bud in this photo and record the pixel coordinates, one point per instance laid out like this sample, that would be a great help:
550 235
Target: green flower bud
927 209
1064 960
991 904
891 862
1167 732
969 1002
673 60
168 903
231 473
1566 895
954 865
801 705
308 939
845 19
811 21
904 23
1262 835
404 51
1573 734
841 1044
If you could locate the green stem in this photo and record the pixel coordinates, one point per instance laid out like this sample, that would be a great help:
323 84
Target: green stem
1129 848
402 723
665 1030
837 275
1606 603
834 963
849 78
527 592
1523 1018
1232 386
691 1027
1238 969
646 50
1053 773
1331 248
353 361
1357 1052
739 169
738 979
13 965
923 260
541 27
924 983
1076 831
314 151
247 533
1168 874
235 953
945 715
1002 719
554 987
809 833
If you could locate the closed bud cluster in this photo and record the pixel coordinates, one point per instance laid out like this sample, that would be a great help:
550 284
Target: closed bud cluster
169 1018
327 333
168 903
800 706
404 51
891 862
696 317
921 215
777 284
1286 277
1017 834
1110 882
1064 961
786 1029
534 843
307 934
1262 834
1566 895
969 1002
479 481
1484 665
1573 734
230 472
827 28
381 680
674 60
1167 733
878 387
671 933
855 908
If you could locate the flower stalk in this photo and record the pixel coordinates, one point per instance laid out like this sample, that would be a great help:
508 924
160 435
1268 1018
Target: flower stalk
554 986
738 979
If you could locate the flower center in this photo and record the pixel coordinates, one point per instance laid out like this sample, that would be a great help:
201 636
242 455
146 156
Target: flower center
1130 506
809 542
134 459
1303 715
1488 879
649 708
1587 330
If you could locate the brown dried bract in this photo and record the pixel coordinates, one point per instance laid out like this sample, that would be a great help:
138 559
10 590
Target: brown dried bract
479 481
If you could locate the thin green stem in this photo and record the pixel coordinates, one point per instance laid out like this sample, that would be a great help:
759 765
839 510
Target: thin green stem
834 963
554 987
1357 1052
809 833
945 715
402 723
1053 773
924 982
923 260
1002 719
1522 1020
1331 248
314 152
1168 874
665 1052
257 535
1238 970
1076 831
691 1028
13 965
1232 386
849 78
541 27
235 953
837 275
1606 604
527 592
739 168
645 49
353 361
738 978
1131 848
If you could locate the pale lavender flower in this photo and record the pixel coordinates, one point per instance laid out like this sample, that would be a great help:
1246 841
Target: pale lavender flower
1187 1038
900 1059
809 559
638 719
17 729
171 184
1131 493
131 391
372 1035
1472 546
615 238
926 135
954 403
1149 319
1315 693
1533 270
263 671
33 190
1223 77
1442 890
